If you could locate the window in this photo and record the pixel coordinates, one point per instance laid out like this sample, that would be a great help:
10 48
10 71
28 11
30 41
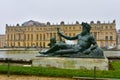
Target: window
111 33
106 33
110 27
37 37
44 37
101 27
24 36
40 36
37 28
73 27
69 34
106 37
28 37
111 37
106 27
73 34
65 27
31 36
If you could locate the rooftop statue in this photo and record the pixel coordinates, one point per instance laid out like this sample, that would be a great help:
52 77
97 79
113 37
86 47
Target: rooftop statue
86 45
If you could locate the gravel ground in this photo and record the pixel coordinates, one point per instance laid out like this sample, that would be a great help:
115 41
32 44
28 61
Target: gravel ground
20 77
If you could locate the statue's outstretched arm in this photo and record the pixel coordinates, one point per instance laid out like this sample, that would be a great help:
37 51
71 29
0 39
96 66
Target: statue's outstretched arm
67 37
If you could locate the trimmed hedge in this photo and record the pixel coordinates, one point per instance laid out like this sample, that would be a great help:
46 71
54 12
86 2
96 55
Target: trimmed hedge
55 72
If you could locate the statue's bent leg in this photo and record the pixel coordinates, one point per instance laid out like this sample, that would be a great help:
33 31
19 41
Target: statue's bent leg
51 50
56 48
66 51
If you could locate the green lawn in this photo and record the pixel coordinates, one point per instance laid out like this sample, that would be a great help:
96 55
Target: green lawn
54 72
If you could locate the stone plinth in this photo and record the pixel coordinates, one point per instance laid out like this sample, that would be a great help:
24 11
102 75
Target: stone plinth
71 63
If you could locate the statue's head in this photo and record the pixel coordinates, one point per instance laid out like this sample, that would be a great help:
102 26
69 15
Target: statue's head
86 27
53 39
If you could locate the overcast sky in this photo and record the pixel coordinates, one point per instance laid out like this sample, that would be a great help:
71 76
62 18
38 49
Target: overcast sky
55 11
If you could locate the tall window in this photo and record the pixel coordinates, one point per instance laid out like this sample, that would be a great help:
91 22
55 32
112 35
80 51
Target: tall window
40 44
11 37
111 38
44 37
54 34
40 36
31 36
69 34
28 37
24 36
110 27
37 44
44 44
14 37
95 34
106 37
19 37
8 36
73 34
106 27
69 27
37 37
18 44
50 34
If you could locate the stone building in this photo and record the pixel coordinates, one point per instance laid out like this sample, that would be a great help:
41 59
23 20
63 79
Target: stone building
36 34
118 39
2 41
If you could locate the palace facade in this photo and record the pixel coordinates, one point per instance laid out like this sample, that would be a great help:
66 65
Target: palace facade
36 34
2 41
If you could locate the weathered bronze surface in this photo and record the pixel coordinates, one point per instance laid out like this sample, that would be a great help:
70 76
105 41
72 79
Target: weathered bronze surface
85 47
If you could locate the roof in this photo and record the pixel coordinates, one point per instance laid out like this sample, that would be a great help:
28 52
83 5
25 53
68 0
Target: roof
33 23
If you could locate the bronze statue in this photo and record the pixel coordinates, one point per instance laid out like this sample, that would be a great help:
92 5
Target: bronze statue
85 47
52 42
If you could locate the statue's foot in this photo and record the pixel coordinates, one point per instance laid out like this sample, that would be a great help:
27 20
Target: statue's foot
46 54
42 52
43 55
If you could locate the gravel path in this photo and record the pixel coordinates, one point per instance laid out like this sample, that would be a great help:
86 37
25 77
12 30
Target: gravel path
20 77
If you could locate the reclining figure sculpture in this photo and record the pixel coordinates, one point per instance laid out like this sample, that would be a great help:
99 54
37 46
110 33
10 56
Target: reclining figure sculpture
86 45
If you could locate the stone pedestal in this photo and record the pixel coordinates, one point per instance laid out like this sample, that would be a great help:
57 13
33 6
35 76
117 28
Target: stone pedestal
71 63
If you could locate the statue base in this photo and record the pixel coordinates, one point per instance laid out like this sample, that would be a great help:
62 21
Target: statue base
72 63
